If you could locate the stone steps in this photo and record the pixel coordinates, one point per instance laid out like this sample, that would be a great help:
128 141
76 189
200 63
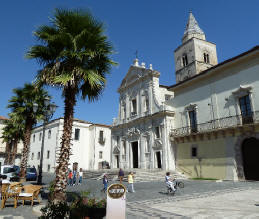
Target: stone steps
140 175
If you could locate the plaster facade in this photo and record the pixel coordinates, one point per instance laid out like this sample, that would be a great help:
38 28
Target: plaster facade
86 145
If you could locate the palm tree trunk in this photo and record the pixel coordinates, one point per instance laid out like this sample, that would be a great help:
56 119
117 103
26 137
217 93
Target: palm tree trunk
26 147
14 152
7 153
63 159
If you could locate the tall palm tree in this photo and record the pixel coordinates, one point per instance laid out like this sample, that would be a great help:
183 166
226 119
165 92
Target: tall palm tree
21 105
75 55
12 134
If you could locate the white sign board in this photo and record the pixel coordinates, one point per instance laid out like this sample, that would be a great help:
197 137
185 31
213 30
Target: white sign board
116 202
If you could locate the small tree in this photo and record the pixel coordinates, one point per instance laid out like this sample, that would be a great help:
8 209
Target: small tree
12 134
21 105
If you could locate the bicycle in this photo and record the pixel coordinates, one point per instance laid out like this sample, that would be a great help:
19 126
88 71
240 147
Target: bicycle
177 184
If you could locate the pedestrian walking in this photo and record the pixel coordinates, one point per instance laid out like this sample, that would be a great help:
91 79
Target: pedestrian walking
70 177
130 187
121 175
105 183
80 176
74 177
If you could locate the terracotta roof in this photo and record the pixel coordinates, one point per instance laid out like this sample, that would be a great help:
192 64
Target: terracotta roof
216 66
3 118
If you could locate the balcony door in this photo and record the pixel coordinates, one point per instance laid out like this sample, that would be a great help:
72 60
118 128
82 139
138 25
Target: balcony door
245 108
193 120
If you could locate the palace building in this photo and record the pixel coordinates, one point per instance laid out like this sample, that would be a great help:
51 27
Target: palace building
206 125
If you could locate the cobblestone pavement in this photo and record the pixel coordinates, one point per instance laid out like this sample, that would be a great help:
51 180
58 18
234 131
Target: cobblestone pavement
148 197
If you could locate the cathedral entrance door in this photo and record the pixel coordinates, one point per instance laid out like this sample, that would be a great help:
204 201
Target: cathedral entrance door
158 158
250 151
134 146
117 161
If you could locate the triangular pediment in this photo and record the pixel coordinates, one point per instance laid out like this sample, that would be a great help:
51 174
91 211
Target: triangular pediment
116 150
132 75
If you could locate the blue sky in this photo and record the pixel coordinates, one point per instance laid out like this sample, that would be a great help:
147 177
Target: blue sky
152 27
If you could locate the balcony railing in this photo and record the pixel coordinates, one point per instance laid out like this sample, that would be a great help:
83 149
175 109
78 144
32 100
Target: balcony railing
222 123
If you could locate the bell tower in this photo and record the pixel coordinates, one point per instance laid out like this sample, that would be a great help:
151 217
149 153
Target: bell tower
195 54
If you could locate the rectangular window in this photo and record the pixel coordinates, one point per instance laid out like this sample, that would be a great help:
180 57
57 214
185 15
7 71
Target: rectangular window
48 152
245 108
77 134
48 167
100 154
40 136
157 132
33 138
133 107
32 156
194 152
49 134
101 135
193 120
38 156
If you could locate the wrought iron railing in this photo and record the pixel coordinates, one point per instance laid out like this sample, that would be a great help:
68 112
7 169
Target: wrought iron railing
221 123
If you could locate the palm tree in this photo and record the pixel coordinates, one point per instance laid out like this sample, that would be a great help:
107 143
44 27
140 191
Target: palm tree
12 134
75 55
21 105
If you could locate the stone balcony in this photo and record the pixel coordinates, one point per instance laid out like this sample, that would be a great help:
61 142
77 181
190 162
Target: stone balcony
224 123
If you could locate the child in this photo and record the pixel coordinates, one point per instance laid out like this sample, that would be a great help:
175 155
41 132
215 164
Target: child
105 183
80 176
70 176
74 177
169 181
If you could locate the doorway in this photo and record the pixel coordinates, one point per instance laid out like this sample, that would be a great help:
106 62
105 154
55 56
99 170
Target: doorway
158 158
134 146
250 151
117 161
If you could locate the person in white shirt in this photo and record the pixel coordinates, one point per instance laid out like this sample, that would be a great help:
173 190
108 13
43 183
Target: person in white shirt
80 176
169 181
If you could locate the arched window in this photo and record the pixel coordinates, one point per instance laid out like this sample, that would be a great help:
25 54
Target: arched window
206 57
185 60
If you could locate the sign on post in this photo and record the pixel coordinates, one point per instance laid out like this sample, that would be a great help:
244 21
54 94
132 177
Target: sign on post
116 202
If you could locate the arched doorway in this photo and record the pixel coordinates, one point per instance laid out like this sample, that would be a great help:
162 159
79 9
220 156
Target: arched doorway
250 152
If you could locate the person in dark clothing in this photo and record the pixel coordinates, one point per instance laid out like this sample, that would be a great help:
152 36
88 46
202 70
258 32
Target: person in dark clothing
121 175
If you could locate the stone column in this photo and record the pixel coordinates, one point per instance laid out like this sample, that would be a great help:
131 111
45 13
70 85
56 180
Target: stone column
142 152
127 153
164 147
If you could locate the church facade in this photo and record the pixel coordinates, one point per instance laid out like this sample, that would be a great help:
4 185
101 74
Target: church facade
206 125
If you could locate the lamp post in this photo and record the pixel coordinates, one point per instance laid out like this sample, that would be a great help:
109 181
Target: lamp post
48 113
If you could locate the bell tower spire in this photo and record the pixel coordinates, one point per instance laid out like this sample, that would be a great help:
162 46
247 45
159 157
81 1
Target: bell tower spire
195 54
192 29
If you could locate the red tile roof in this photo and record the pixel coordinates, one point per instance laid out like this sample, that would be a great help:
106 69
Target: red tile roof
3 118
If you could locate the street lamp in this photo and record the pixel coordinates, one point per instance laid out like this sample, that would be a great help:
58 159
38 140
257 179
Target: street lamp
48 113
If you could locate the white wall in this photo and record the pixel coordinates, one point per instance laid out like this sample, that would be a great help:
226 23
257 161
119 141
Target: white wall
210 94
